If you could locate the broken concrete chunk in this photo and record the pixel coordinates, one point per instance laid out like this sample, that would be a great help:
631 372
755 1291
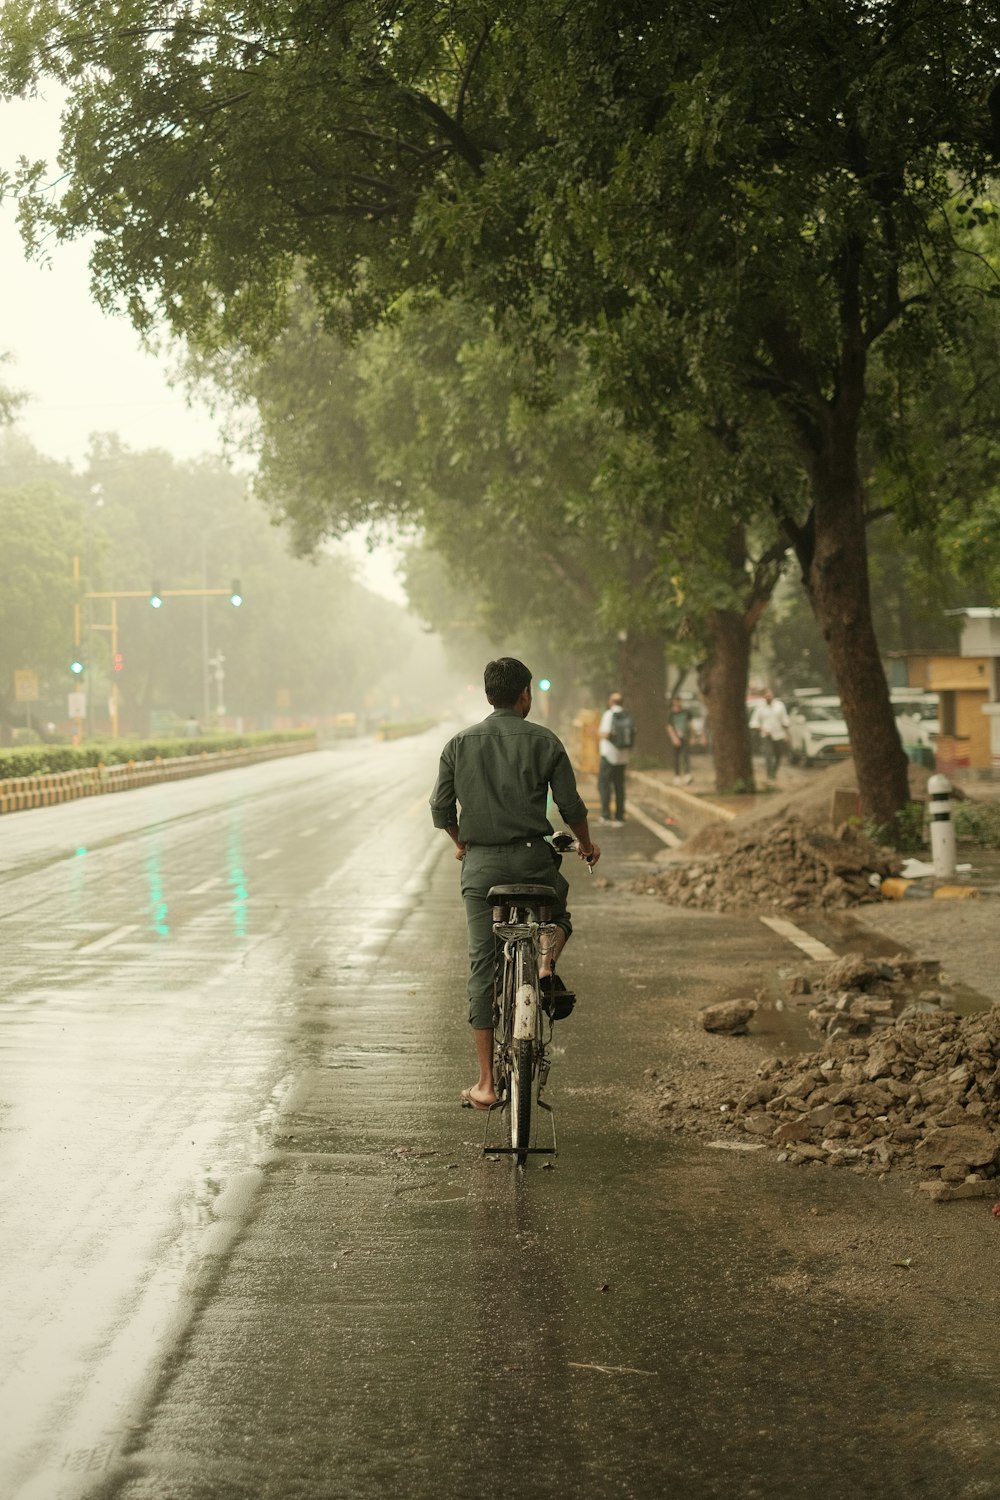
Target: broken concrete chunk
731 1016
972 1145
948 1192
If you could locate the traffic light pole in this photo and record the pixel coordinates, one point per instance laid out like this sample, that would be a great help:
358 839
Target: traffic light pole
113 628
233 593
76 637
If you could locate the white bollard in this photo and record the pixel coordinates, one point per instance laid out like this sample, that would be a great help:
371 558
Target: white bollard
942 828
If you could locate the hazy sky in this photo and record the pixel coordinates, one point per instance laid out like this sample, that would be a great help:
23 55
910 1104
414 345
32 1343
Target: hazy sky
82 370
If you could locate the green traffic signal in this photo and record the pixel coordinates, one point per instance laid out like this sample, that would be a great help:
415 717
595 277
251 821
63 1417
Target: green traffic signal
236 594
544 684
76 661
155 597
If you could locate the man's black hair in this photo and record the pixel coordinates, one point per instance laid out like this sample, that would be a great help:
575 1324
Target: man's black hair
505 680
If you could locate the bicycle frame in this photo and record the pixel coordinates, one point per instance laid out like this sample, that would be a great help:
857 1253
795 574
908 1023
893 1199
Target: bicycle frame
521 1048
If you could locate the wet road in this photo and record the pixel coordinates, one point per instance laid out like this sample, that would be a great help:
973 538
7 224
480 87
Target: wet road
251 1248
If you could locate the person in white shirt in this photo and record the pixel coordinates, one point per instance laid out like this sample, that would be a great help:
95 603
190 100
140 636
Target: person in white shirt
611 772
770 719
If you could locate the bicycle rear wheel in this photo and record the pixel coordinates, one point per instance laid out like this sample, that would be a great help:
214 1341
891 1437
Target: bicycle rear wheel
523 1049
521 1088
503 1026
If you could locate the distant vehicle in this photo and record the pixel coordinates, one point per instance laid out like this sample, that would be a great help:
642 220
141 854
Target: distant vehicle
816 731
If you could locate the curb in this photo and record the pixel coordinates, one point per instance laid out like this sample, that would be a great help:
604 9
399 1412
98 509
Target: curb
686 798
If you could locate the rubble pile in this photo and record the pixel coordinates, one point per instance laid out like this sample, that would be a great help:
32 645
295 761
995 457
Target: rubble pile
856 994
922 1093
790 868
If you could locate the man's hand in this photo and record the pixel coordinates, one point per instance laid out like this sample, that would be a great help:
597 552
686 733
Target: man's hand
460 851
591 856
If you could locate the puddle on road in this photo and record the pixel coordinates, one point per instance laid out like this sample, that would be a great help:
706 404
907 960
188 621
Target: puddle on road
783 1021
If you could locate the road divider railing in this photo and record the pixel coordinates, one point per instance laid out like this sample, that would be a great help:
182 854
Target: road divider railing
45 788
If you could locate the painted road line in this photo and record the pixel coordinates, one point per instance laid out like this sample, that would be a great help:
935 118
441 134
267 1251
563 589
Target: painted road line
107 941
810 945
666 834
206 885
269 854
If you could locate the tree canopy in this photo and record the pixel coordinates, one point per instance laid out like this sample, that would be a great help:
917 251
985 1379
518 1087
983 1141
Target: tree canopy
756 202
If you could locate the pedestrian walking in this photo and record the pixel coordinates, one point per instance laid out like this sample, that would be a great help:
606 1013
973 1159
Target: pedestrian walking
616 734
679 735
770 719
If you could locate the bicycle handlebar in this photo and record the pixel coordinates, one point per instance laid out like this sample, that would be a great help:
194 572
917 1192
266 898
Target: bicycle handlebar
564 843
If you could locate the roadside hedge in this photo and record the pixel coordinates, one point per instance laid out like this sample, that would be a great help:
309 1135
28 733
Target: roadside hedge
389 731
35 760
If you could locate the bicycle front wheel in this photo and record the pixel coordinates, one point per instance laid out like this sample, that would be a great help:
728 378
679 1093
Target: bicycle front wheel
521 1083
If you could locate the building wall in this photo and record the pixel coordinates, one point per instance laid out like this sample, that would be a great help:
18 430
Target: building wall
958 672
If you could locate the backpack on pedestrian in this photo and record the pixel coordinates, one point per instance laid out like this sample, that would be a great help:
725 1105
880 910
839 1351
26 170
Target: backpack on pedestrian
622 730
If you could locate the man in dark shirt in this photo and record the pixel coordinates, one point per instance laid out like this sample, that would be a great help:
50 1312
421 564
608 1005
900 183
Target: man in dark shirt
500 772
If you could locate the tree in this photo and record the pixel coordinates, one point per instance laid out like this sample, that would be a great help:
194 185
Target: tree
41 528
580 535
773 188
307 641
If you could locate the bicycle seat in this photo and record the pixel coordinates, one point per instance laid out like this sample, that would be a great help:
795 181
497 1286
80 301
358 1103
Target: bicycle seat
533 896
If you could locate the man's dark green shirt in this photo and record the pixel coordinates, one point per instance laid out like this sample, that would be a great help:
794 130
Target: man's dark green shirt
500 773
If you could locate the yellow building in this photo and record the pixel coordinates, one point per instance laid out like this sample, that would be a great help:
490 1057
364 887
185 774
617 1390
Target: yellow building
967 683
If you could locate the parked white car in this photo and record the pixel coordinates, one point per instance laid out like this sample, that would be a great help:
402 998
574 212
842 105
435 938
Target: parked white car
816 731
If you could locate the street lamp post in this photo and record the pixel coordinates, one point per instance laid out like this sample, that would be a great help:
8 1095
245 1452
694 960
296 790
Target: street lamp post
217 664
206 662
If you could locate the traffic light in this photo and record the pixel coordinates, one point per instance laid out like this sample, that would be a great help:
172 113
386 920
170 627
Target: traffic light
76 661
119 661
155 597
544 684
236 594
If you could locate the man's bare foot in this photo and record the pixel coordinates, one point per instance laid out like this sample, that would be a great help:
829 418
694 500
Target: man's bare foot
476 1098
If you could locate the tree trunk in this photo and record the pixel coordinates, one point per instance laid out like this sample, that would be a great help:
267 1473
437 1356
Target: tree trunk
723 678
644 686
839 588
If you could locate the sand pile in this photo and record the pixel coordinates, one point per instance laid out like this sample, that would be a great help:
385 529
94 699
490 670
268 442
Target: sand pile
787 866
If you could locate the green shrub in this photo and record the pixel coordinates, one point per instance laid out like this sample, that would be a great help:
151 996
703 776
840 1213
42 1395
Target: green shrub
35 760
977 823
907 834
388 731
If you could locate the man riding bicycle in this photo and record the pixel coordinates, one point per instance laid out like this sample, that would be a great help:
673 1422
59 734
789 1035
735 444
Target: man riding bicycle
501 772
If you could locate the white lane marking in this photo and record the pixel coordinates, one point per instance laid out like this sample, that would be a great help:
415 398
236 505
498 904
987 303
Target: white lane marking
269 854
206 885
307 833
666 834
107 940
810 945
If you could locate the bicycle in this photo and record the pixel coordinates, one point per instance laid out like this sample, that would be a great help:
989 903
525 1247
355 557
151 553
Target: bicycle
521 1058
